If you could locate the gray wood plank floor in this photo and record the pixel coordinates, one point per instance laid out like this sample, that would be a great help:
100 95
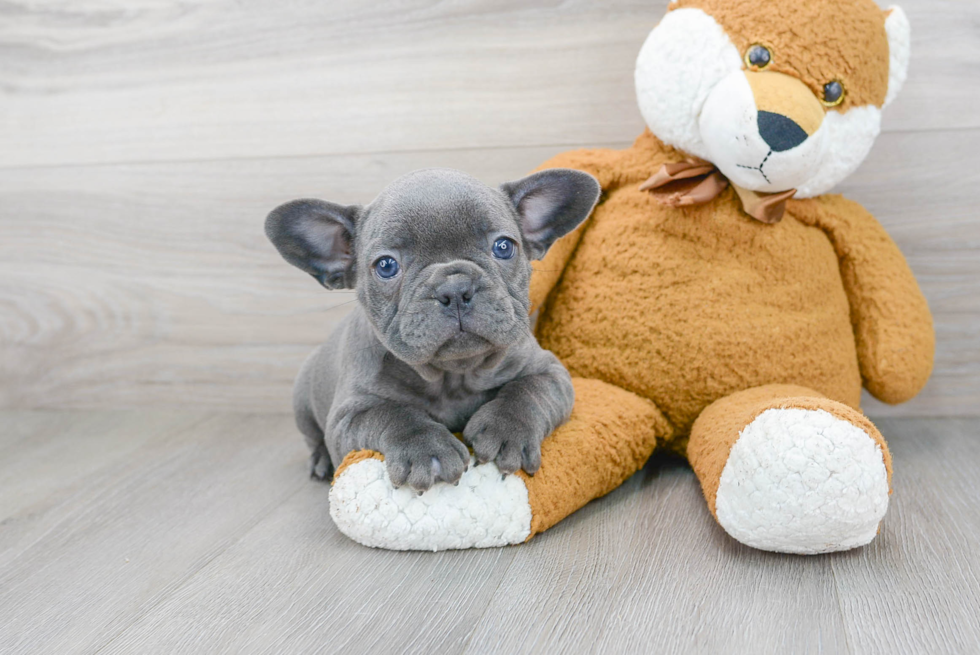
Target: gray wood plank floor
166 531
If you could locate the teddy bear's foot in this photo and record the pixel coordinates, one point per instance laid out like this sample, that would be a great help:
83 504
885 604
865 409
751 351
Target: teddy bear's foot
803 481
610 434
483 510
804 475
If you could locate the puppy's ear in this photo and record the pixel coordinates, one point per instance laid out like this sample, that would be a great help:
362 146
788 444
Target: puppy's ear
550 204
317 237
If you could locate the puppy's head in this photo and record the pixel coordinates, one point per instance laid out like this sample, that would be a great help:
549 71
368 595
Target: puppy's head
440 261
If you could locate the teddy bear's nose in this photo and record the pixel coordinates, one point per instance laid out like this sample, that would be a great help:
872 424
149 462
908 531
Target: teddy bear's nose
780 132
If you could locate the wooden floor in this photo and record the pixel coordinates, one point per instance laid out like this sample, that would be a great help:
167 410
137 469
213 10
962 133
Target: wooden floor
167 531
142 142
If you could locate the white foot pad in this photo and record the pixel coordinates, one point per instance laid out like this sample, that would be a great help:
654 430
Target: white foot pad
803 481
486 509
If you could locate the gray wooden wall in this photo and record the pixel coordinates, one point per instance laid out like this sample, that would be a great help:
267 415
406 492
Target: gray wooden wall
142 142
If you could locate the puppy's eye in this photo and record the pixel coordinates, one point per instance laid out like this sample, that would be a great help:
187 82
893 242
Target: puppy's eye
504 248
833 93
386 268
758 56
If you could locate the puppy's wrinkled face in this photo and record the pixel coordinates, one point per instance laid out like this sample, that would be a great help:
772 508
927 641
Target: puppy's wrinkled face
442 271
440 261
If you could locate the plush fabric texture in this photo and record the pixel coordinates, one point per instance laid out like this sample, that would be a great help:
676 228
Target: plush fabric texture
849 137
697 91
698 305
485 509
721 424
892 324
354 457
609 436
817 42
728 303
899 48
803 481
740 344
681 62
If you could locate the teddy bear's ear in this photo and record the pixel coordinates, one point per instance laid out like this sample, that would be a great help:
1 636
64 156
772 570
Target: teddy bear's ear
550 204
899 46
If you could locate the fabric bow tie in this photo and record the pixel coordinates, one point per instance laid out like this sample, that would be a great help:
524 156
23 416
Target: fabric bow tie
695 182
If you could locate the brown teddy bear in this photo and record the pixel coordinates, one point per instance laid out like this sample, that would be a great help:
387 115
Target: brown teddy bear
718 303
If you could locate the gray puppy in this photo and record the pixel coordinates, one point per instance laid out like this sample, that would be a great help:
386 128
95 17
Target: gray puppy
441 339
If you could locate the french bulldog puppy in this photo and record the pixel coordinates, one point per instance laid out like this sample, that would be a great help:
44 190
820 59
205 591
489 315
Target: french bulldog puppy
440 341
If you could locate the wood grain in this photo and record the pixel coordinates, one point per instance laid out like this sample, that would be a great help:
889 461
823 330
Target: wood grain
82 561
92 81
200 532
660 576
153 284
916 588
142 145
62 448
294 584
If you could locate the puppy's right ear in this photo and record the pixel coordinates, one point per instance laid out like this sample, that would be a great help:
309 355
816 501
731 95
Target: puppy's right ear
317 237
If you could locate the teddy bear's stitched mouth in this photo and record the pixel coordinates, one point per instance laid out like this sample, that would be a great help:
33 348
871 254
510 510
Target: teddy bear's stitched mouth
759 167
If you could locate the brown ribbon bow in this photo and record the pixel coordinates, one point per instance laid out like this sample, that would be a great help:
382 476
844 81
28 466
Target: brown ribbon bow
695 182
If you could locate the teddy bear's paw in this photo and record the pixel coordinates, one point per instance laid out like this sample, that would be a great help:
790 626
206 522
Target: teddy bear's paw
483 510
803 481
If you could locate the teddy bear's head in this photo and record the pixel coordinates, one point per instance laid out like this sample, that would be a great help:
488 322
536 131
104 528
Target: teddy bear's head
778 95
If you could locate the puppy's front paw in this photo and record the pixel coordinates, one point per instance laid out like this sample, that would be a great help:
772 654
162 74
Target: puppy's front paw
421 459
496 435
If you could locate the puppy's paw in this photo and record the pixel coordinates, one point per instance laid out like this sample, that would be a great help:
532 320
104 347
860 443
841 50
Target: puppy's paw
321 468
496 435
422 459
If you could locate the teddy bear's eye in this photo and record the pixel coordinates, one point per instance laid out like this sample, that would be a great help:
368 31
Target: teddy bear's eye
833 93
758 56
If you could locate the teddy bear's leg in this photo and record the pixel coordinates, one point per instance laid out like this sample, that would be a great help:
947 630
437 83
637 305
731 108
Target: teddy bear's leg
786 469
609 436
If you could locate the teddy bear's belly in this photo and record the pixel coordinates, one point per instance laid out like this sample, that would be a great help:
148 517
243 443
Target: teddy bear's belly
687 307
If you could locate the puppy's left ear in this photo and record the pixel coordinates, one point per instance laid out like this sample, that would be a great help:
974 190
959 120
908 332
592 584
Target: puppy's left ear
550 204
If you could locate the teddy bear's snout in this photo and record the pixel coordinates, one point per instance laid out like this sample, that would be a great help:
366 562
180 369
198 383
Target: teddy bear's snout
788 112
780 132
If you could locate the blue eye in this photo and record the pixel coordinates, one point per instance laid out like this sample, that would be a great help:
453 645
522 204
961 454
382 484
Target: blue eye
504 248
386 268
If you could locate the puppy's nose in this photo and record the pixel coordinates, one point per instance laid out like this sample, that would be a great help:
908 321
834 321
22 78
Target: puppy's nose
780 132
456 291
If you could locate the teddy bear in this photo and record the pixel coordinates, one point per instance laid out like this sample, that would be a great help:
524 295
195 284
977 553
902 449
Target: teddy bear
719 303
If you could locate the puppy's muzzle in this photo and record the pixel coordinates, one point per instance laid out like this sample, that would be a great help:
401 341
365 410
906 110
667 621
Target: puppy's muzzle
455 286
456 293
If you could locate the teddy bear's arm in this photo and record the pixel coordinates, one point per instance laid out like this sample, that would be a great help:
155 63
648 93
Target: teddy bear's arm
892 324
600 163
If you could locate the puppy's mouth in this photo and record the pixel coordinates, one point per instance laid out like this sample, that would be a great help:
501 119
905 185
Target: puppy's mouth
462 345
